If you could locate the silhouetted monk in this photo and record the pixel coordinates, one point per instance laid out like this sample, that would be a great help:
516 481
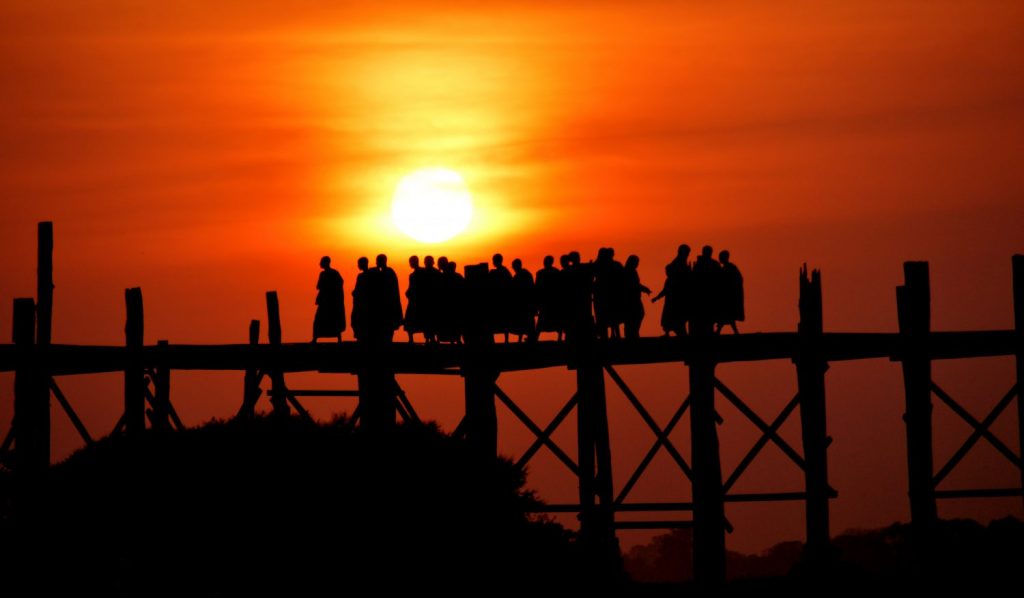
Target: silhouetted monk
524 303
452 302
431 299
360 301
329 320
608 281
676 293
385 292
500 296
632 291
579 288
413 321
706 275
548 293
730 295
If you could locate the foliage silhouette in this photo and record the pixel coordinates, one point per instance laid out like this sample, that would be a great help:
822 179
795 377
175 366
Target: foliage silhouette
239 507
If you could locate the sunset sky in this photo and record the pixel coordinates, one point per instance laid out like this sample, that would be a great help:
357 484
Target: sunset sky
211 151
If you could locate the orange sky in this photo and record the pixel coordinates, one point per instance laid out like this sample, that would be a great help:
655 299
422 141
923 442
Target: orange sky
209 151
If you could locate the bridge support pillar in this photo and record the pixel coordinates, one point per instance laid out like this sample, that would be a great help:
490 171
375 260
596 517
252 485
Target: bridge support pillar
1018 326
481 413
810 370
913 301
134 374
708 496
597 517
31 398
278 390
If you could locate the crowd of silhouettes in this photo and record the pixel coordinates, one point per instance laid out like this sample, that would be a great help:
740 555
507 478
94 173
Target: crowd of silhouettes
602 298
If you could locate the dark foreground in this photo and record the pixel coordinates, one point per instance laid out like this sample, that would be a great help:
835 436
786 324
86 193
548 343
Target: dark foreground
264 507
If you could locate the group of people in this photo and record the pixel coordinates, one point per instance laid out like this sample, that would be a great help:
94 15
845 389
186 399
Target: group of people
602 298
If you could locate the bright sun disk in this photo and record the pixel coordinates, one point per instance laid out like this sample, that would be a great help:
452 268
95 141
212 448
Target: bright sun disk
432 205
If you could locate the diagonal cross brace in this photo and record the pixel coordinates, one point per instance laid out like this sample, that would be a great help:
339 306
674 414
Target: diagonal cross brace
661 439
767 430
548 431
980 429
661 435
519 413
761 442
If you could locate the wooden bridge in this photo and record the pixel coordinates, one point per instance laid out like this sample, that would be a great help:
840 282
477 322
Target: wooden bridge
480 362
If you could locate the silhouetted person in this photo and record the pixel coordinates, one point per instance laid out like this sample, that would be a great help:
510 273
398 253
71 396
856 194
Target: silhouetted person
730 295
329 320
431 299
706 275
452 303
361 301
676 293
579 288
413 321
632 291
608 282
548 290
500 296
524 303
385 293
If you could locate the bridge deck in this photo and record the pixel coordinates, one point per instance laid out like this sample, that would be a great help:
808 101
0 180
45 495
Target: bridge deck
406 358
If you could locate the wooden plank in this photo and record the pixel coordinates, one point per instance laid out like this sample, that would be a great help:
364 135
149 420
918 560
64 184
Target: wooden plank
681 524
450 359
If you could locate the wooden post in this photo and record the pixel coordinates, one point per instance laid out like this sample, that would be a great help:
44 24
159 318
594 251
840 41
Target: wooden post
1018 326
160 417
251 392
597 517
134 375
708 497
810 371
278 390
479 374
44 284
31 398
914 306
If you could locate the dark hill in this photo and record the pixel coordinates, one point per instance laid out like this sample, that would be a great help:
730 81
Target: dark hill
267 506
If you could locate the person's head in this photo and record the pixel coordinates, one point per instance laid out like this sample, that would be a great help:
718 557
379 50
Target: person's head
382 261
442 263
611 252
574 258
451 267
563 260
632 262
723 256
684 251
549 260
428 261
707 251
603 254
363 263
325 262
498 260
517 264
414 261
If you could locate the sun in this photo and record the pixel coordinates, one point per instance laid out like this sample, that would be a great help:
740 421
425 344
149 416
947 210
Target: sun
432 205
